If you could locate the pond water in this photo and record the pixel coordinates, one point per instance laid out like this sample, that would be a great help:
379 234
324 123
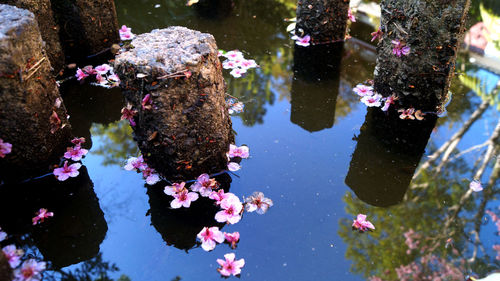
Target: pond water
316 151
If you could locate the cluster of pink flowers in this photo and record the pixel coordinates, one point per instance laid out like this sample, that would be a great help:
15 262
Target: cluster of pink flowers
138 164
234 106
126 33
5 148
210 236
400 49
411 114
128 114
361 224
412 240
430 267
41 215
182 196
304 41
30 270
104 75
75 154
236 62
371 98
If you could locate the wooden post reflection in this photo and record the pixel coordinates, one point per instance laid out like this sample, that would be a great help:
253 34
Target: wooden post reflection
386 156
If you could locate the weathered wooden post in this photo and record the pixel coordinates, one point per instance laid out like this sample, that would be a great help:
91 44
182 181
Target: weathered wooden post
324 20
32 116
48 28
416 57
87 26
387 153
315 86
173 79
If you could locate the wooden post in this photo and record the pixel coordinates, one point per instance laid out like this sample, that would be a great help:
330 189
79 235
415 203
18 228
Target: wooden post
173 79
87 26
32 116
324 20
48 28
432 30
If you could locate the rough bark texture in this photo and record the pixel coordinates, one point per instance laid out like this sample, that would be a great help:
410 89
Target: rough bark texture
28 93
187 131
5 270
48 28
87 26
179 227
315 86
324 20
386 156
433 31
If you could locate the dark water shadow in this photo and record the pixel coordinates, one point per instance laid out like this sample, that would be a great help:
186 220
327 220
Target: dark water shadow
87 104
179 227
214 9
386 156
77 228
315 86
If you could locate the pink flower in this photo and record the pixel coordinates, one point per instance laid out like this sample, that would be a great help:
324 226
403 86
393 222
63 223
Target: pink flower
407 113
232 238
129 113
41 215
80 74
230 266
100 79
150 175
248 64
78 141
66 171
361 224
363 90
232 208
5 148
219 195
351 17
302 41
55 122
233 166
388 101
30 271
257 202
89 70
183 199
12 255
242 151
174 188
125 29
220 53
135 163
400 49
237 72
475 186
229 64
372 101
234 55
204 185
377 34
147 102
103 69
209 237
126 33
75 153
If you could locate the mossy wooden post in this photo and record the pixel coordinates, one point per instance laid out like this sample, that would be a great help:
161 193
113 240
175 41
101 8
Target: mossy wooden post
31 119
87 26
433 31
324 20
48 28
184 129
